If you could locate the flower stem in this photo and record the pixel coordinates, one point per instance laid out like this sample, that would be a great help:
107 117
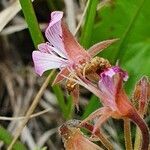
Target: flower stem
137 142
135 117
32 22
127 134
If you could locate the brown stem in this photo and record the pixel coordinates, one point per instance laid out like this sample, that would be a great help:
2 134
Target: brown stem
135 117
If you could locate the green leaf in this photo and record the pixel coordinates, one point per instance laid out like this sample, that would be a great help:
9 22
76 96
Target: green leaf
127 20
60 98
65 106
32 22
69 107
7 138
89 22
137 62
93 104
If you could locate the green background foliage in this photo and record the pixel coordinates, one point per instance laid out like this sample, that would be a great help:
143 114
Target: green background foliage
128 21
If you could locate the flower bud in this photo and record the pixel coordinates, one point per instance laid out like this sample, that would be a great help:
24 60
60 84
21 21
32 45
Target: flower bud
74 139
142 94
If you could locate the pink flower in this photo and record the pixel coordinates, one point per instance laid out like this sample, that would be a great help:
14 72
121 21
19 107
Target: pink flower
110 91
115 101
108 85
62 50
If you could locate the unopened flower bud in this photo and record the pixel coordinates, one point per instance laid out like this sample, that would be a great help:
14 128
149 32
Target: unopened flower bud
142 94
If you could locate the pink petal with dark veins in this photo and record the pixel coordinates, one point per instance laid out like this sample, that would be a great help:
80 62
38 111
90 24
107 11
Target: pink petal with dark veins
108 84
54 32
45 61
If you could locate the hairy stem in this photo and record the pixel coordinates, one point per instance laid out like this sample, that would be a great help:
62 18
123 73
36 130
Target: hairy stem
127 134
135 117
137 142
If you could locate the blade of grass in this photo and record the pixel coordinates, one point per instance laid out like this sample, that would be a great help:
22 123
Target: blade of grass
37 38
81 19
88 25
32 22
69 107
66 107
30 110
60 98
6 137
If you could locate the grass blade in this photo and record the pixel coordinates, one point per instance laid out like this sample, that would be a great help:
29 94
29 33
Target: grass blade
89 22
32 22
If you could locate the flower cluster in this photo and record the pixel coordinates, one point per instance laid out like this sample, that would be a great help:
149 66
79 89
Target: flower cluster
80 66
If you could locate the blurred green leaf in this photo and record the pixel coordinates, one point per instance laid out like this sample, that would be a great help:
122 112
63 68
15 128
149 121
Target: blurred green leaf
32 22
69 107
127 20
43 148
65 103
89 22
55 4
94 103
137 61
6 137
60 98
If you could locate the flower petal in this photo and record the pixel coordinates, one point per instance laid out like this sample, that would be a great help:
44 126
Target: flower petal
124 107
95 49
78 141
56 51
54 32
60 38
113 71
108 84
46 48
43 47
45 61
